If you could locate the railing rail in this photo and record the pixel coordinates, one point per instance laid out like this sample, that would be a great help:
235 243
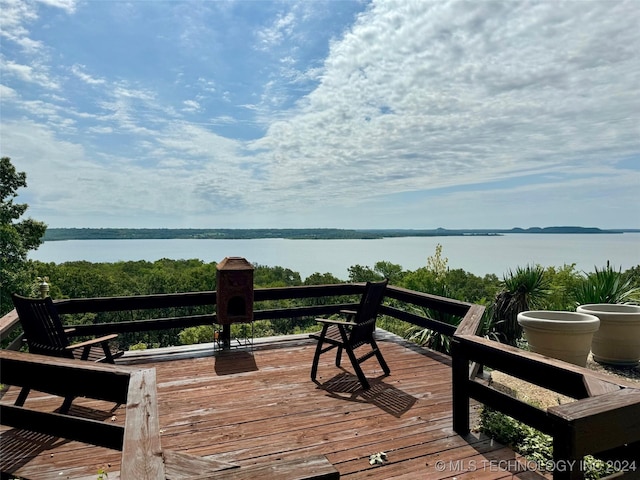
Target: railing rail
208 298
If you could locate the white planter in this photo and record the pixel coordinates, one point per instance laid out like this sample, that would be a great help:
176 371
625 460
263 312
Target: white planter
618 340
563 335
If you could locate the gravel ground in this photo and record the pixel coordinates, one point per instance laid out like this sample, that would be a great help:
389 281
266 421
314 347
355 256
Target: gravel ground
544 398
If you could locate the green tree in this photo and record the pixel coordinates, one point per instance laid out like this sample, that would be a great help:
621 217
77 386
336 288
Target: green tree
359 273
563 282
17 237
321 279
391 271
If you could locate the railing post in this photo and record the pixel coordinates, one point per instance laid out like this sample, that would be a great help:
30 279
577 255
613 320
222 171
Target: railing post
567 465
459 387
43 286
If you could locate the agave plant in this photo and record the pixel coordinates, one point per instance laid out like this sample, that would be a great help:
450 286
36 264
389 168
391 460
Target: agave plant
430 338
524 289
606 286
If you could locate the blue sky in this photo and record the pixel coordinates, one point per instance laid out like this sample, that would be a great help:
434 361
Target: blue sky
348 114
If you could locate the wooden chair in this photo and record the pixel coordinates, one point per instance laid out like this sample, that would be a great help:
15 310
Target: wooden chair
358 331
46 336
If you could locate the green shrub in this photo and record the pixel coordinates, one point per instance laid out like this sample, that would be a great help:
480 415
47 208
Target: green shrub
534 445
522 290
606 286
199 334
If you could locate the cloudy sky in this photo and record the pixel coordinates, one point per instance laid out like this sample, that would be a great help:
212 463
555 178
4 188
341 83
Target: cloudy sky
348 114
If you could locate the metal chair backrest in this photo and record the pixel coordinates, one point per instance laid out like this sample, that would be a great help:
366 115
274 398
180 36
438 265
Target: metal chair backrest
42 326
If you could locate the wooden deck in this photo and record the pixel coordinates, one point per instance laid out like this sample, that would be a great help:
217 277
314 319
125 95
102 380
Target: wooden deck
246 408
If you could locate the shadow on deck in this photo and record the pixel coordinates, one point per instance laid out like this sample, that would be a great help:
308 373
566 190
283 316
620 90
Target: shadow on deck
244 408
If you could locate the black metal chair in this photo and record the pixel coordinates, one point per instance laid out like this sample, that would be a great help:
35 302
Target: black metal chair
358 331
46 335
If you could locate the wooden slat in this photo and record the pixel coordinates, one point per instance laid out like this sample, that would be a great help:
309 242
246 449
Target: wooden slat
182 466
446 305
597 386
513 407
141 451
309 468
418 320
615 416
556 375
470 324
7 322
64 426
64 377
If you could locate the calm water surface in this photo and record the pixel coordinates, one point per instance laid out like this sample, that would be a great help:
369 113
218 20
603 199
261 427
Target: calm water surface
478 255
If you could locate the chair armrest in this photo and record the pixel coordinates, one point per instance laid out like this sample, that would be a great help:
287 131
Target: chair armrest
328 321
92 342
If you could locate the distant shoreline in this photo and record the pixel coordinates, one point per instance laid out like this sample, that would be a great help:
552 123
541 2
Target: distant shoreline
59 234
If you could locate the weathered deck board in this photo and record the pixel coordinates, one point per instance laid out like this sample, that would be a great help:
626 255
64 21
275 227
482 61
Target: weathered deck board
248 409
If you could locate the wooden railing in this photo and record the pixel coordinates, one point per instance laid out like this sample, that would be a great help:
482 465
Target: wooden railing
394 295
605 418
142 456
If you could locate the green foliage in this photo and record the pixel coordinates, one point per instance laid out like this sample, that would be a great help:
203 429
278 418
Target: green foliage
85 279
17 238
431 338
562 283
321 279
275 277
103 474
437 264
533 444
606 286
431 279
199 334
468 287
358 273
391 271
524 289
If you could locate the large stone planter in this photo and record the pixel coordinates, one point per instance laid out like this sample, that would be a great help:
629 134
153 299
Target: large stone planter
618 340
563 335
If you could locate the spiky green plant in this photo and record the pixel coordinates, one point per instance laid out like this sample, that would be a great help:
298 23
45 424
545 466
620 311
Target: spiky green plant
606 286
430 338
522 290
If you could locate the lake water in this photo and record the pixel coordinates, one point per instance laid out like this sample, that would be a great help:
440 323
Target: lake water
476 254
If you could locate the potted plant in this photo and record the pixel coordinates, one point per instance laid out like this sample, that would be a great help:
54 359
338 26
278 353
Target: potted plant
603 294
617 341
566 336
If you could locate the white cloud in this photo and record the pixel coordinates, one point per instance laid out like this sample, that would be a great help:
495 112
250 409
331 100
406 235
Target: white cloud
461 107
15 14
78 71
67 5
421 96
7 93
275 33
191 106
18 14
